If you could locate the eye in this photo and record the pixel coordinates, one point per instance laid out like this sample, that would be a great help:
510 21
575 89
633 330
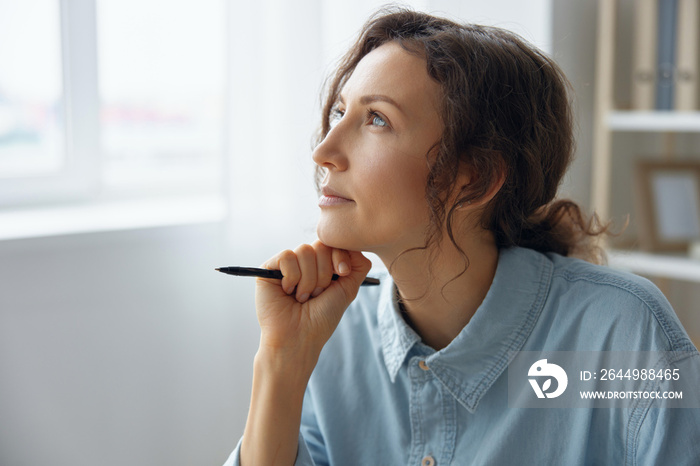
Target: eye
335 116
376 119
372 117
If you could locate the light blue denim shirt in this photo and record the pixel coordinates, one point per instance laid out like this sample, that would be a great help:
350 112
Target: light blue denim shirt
379 396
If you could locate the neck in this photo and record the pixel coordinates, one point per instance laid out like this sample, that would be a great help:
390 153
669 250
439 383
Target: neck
438 299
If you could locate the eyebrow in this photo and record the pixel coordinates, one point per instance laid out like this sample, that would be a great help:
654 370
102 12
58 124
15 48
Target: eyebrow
368 99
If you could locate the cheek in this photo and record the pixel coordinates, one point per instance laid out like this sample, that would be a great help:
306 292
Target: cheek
397 185
408 174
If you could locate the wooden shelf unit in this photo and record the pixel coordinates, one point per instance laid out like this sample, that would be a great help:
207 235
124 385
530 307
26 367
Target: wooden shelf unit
609 120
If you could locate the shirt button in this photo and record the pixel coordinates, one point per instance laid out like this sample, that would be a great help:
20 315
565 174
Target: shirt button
428 461
425 367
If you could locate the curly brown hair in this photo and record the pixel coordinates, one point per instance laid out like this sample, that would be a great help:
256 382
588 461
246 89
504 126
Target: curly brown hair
506 113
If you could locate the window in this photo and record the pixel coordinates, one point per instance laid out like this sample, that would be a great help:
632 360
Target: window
31 107
109 99
161 83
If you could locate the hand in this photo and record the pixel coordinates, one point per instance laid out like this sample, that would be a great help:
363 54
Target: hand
299 313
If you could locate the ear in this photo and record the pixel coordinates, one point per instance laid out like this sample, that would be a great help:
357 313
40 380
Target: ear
468 175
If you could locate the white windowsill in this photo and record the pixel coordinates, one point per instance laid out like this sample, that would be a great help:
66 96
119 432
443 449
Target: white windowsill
654 121
677 267
110 216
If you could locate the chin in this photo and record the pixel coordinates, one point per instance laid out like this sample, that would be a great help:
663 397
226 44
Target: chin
335 236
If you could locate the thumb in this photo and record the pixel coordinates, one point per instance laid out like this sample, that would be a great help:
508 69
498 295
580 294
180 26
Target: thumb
343 291
359 267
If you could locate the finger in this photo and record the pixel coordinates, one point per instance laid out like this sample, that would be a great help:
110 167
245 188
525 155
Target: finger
341 293
306 258
324 267
359 266
289 266
341 262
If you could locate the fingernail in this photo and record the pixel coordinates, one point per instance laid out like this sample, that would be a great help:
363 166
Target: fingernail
317 292
343 268
303 298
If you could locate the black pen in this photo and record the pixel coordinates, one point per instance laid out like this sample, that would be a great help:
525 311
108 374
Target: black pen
267 273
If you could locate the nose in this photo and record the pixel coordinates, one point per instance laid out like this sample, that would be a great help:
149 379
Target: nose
330 153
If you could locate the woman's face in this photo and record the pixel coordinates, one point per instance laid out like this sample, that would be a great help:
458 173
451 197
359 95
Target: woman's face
376 155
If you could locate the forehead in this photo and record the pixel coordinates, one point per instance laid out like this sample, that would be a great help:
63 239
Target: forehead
392 71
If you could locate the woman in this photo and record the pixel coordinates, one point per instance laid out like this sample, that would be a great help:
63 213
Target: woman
441 151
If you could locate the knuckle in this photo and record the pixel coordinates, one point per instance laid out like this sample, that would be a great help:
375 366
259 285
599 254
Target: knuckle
305 250
287 255
307 264
320 247
289 263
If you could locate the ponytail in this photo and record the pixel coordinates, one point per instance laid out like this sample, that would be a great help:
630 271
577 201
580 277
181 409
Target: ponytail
560 227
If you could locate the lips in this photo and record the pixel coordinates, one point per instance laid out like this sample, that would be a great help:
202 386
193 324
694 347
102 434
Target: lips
331 197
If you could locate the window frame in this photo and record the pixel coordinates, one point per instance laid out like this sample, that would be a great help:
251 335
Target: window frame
79 177
74 199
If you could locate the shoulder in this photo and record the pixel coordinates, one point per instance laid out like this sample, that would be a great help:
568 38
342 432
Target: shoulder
573 270
666 431
610 309
571 274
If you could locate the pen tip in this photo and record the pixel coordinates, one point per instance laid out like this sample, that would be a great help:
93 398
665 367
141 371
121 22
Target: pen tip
218 270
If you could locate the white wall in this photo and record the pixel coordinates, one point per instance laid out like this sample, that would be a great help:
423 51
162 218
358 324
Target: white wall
532 19
119 348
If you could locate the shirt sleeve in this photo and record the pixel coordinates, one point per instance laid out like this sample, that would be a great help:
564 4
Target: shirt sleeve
303 455
310 431
671 435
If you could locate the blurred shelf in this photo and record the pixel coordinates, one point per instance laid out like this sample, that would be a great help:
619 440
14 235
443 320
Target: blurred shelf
609 121
655 265
688 122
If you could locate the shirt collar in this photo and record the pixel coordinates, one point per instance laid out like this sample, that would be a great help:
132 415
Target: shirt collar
473 361
397 337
